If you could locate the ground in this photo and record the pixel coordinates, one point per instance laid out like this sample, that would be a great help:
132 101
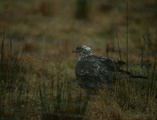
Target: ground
43 35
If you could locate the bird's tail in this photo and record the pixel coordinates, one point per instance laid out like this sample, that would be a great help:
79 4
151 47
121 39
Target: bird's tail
139 76
134 75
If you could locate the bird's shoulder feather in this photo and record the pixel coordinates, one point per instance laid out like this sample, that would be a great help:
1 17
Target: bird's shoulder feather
87 65
110 63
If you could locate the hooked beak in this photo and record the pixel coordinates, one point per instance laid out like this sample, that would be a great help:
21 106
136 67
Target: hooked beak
74 50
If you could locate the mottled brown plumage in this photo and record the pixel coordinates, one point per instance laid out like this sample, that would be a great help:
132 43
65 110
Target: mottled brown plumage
93 71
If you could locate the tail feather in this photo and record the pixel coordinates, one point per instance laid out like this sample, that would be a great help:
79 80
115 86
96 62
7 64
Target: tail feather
139 76
134 75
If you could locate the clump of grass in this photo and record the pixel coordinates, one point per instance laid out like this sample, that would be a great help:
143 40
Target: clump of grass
12 67
12 77
61 102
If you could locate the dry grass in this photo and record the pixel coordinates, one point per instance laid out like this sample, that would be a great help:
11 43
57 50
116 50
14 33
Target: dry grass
44 33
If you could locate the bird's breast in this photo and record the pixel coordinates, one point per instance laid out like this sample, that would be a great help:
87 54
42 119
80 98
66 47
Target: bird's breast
90 67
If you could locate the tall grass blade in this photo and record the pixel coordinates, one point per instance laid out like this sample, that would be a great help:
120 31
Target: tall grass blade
52 86
119 48
58 97
127 38
2 56
148 35
41 98
149 46
107 50
154 68
2 49
142 49
78 101
10 46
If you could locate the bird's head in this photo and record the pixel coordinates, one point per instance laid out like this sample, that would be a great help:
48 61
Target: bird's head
83 50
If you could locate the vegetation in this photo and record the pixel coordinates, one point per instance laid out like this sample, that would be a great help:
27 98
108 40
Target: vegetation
82 10
37 78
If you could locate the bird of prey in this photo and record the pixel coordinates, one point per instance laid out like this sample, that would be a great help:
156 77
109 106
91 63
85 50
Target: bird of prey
93 71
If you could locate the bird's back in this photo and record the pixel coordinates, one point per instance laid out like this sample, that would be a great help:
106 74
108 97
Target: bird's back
92 73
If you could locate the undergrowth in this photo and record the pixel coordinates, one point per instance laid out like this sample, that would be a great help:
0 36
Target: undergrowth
37 92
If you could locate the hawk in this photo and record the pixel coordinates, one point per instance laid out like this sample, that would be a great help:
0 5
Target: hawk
93 71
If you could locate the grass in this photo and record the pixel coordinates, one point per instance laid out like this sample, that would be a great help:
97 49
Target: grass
38 64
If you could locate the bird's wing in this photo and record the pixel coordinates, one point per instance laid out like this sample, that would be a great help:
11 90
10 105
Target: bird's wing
110 63
87 67
87 73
